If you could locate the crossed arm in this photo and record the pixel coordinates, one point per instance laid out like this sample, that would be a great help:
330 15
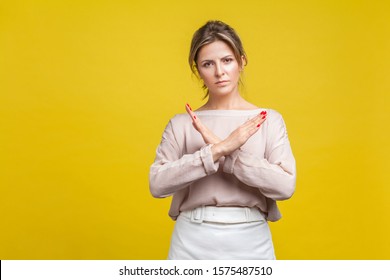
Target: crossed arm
272 173
234 141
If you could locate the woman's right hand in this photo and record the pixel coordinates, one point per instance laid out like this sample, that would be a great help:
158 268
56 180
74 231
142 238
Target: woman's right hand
208 136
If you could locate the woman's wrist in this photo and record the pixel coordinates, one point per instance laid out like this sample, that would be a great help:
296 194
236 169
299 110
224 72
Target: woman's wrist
217 151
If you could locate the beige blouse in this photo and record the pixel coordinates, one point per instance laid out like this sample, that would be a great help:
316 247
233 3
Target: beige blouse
256 175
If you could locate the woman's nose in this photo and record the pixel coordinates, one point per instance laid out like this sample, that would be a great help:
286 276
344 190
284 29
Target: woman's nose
219 71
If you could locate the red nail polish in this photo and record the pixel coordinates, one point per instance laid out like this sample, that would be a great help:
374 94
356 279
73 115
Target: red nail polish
258 125
194 116
189 106
263 117
263 113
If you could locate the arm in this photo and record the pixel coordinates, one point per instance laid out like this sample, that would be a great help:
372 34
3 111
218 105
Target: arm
172 171
234 141
274 175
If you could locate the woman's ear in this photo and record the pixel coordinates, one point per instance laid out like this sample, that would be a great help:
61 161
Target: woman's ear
198 73
243 62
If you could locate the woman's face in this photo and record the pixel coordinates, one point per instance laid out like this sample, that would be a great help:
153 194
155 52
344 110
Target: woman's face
218 68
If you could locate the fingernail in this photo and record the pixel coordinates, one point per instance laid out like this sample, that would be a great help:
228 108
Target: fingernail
189 106
194 116
263 113
263 117
258 125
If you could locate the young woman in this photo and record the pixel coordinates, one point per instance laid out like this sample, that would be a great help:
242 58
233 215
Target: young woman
226 164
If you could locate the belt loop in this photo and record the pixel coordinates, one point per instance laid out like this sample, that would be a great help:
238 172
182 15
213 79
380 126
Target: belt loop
247 214
197 215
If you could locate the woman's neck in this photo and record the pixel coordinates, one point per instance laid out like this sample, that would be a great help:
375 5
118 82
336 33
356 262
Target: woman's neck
228 102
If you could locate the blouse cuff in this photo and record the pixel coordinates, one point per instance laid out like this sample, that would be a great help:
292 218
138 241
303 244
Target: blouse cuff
207 158
230 160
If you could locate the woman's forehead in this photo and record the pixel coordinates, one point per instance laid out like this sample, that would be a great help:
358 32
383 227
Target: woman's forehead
217 49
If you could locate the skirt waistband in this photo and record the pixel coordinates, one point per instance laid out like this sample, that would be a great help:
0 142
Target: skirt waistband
228 215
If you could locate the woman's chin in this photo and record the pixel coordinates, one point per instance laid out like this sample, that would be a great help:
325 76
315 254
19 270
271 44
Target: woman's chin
223 91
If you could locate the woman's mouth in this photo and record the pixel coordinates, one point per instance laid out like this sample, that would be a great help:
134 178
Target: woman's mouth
221 83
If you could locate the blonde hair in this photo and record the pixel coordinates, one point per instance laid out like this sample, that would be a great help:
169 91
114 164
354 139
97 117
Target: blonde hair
212 31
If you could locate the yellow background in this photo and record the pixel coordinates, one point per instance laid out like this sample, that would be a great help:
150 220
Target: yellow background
87 87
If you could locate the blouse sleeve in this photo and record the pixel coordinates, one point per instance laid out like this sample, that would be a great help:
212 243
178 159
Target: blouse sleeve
274 174
172 171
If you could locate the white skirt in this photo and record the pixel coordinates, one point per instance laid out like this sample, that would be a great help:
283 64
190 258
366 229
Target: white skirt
207 240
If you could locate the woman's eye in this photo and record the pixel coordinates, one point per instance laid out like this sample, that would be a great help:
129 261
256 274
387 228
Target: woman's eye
207 64
227 60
